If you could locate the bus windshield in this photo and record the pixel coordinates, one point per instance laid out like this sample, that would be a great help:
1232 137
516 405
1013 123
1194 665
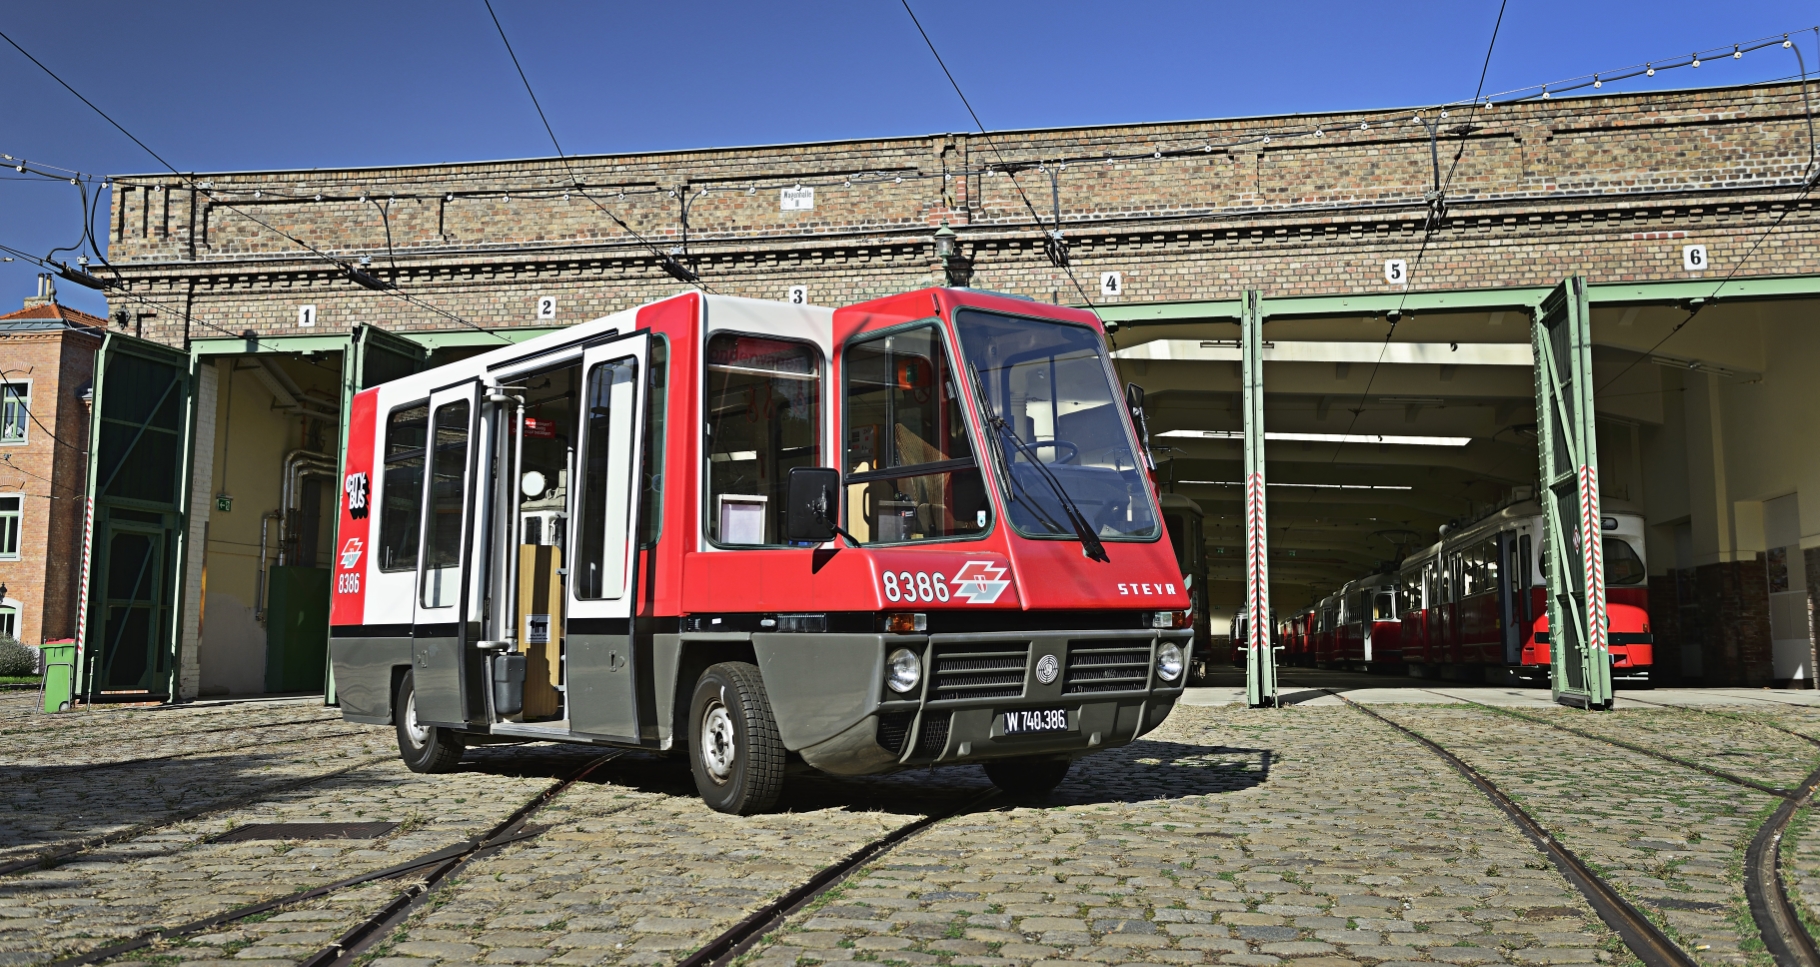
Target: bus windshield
1059 440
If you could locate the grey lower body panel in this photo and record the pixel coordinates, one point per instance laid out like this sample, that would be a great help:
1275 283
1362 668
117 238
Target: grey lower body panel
363 676
1104 682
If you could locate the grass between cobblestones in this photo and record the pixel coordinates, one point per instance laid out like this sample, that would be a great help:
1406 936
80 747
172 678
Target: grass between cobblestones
1682 865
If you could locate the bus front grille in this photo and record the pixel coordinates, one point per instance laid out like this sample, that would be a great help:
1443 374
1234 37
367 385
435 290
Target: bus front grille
979 671
1106 669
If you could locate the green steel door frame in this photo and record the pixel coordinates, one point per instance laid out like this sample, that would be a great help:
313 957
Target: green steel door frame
1573 556
142 426
1260 655
372 356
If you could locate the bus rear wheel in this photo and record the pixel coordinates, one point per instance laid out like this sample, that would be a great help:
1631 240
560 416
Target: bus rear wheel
424 748
1027 780
736 754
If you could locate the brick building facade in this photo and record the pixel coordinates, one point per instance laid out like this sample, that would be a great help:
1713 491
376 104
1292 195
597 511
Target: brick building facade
47 356
1609 187
1309 207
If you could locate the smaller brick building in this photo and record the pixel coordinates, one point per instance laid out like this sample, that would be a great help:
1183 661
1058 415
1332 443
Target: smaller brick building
47 355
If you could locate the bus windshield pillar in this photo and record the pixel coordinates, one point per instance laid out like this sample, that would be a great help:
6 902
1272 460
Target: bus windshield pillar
1579 653
1260 657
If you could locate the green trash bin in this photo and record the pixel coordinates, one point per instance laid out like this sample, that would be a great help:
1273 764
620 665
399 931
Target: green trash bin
59 684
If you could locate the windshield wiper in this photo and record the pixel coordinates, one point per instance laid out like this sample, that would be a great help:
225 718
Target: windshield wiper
1090 542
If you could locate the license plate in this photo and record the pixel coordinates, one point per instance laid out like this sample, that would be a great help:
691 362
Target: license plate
1025 721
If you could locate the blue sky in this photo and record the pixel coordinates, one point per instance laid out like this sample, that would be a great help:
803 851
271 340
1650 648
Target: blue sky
229 86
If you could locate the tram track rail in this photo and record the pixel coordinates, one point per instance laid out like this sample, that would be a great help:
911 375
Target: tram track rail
1772 908
53 855
731 943
44 751
1721 774
1646 940
73 769
243 727
441 865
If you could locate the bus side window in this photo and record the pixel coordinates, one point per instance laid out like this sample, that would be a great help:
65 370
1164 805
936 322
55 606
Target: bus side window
448 491
401 488
763 416
606 480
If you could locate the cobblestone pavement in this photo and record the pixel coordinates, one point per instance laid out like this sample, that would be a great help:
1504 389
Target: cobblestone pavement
1311 835
1739 745
1221 838
1670 839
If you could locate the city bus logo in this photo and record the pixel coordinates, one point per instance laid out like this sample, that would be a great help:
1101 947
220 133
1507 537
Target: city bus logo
979 582
350 553
355 486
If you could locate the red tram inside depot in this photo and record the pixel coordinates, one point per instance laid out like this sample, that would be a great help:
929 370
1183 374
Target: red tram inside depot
917 531
1474 604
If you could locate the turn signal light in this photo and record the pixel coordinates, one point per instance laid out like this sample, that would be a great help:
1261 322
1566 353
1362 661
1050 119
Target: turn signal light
905 623
1171 619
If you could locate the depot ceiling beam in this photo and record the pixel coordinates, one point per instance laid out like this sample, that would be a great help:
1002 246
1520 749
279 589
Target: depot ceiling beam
1366 352
1466 300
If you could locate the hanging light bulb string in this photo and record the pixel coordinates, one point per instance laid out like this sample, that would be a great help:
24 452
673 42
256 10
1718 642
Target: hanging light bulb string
1437 209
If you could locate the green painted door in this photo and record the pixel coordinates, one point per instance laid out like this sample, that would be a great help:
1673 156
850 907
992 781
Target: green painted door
140 427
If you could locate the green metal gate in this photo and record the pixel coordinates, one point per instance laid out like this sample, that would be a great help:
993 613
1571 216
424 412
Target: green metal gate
139 434
1573 534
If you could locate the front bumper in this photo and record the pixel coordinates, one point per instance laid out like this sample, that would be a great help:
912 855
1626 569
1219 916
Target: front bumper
1105 681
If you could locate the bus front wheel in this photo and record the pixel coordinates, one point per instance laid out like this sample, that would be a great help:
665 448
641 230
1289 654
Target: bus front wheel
424 748
736 754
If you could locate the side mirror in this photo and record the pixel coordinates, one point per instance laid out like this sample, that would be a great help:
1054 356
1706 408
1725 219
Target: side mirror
1134 401
812 498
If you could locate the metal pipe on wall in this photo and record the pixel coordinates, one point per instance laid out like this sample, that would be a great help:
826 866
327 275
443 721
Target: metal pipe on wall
259 577
297 465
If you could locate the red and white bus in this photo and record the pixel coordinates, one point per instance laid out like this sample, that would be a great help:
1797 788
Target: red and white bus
914 531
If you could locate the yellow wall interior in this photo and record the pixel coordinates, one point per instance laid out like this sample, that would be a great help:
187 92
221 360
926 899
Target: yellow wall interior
252 435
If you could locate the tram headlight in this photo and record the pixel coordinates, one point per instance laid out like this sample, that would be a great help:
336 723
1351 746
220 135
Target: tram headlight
903 670
1169 661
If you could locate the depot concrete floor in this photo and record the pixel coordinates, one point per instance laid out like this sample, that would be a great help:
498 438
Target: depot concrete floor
1308 834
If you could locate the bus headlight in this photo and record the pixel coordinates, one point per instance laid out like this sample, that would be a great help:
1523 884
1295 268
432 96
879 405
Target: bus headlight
1169 661
903 670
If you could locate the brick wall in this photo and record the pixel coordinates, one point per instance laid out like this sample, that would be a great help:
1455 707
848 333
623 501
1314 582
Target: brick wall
58 364
1611 187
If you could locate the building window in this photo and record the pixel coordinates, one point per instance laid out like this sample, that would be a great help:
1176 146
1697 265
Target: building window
9 622
11 508
15 403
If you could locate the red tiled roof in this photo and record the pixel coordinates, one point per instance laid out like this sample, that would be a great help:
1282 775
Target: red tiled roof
52 310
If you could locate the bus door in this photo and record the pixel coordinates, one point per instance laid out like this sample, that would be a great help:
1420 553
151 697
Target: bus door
603 667
445 662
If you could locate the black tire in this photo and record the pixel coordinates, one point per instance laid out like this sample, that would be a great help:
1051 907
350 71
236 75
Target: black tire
424 748
1027 780
734 749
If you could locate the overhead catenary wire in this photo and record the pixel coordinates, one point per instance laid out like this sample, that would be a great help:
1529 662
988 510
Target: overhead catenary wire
359 277
1811 176
1059 254
1437 210
667 261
